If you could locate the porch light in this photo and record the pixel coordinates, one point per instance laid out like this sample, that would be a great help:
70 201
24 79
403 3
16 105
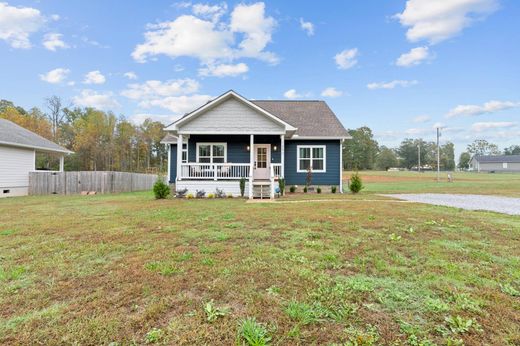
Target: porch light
248 148
275 148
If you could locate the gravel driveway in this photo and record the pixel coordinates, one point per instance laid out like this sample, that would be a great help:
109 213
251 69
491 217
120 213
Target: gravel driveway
505 205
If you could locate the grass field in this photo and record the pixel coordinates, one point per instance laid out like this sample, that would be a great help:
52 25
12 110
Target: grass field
362 270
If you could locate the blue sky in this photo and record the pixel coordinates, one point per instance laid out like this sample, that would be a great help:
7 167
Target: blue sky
399 67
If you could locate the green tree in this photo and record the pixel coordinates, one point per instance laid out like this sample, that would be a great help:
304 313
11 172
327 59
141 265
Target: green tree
386 158
447 156
408 152
483 147
512 150
464 160
360 151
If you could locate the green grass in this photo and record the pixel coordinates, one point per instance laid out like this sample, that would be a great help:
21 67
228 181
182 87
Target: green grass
129 269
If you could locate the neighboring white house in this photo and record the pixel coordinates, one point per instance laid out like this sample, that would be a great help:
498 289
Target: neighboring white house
495 163
18 147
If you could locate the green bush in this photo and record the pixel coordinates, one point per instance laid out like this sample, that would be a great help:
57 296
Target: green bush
292 189
318 190
161 190
190 196
356 184
242 186
281 185
305 189
333 189
211 195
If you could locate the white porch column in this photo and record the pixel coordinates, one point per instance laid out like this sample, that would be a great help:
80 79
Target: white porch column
341 166
62 162
282 159
179 156
168 163
251 164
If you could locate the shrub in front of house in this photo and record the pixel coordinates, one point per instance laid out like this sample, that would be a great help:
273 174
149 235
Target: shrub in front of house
292 189
356 184
242 186
281 185
318 190
333 189
161 190
190 196
211 195
305 189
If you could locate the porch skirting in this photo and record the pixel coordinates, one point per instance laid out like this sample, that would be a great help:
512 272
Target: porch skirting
232 187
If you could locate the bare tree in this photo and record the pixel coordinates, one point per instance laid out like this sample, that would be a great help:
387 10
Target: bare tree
55 114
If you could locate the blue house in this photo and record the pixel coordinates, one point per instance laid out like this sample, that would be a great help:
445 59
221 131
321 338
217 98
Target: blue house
263 141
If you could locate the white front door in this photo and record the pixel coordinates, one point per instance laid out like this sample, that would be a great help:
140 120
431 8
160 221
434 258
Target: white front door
262 161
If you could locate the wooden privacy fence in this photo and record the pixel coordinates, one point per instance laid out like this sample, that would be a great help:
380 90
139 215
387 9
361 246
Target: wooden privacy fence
67 183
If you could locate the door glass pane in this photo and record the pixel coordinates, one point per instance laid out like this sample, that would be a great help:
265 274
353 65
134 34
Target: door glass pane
261 157
218 150
304 164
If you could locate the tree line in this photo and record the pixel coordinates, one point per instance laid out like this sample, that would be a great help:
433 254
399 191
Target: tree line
100 140
363 152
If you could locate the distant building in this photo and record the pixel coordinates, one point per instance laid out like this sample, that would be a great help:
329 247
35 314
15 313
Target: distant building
495 163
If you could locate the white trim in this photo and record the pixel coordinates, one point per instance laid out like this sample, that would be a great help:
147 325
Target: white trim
49 150
179 157
282 154
169 148
231 93
251 163
296 137
324 147
341 166
216 132
211 150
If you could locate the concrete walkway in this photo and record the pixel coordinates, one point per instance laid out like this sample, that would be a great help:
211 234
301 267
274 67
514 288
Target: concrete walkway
504 205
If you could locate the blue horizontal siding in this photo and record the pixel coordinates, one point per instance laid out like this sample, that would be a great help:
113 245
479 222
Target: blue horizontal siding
332 174
173 163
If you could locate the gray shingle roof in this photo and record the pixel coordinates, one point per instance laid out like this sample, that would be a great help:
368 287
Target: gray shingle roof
312 118
15 135
498 158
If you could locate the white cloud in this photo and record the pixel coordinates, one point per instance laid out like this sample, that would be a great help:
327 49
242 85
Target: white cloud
178 96
439 125
224 70
308 27
346 59
211 41
331 92
436 21
55 76
153 89
421 119
52 41
139 118
414 57
18 23
486 108
392 84
213 12
416 131
91 98
94 77
483 126
130 75
292 94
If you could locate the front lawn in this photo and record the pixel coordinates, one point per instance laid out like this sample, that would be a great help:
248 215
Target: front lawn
129 269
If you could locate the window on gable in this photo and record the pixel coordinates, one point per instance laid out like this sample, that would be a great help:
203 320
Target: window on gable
312 156
211 152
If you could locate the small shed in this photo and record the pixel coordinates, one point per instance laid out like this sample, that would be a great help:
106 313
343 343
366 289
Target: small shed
18 147
495 163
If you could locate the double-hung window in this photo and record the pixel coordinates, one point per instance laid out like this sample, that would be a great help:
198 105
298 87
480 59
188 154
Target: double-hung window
211 152
312 156
185 152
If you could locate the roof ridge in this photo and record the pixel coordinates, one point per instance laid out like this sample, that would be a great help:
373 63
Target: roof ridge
264 100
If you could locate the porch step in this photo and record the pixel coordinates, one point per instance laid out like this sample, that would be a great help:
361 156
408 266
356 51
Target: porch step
262 190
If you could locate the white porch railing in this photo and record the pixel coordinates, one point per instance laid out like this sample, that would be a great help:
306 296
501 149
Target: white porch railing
215 171
276 170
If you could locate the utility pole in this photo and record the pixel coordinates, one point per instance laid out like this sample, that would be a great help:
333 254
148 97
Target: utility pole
438 154
419 156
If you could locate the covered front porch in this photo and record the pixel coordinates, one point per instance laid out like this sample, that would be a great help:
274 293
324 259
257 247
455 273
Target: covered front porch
221 161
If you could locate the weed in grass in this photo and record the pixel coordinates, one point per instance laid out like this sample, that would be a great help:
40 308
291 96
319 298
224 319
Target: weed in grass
183 257
165 269
459 325
213 312
273 290
154 336
367 337
360 283
11 274
330 261
436 305
454 342
253 333
509 289
208 261
7 232
464 301
414 335
301 312
394 237
221 236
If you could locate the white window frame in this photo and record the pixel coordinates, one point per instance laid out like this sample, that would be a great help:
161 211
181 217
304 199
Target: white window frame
211 150
505 165
324 147
185 150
